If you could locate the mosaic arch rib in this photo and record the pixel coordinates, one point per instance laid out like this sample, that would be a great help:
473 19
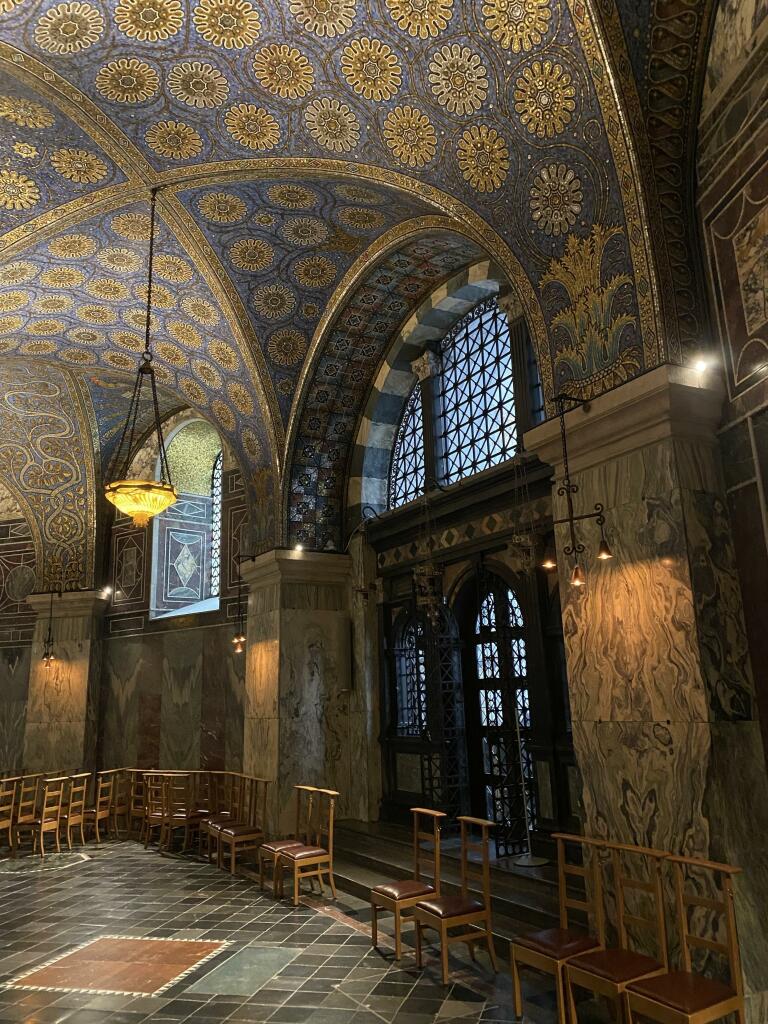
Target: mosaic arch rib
354 348
387 97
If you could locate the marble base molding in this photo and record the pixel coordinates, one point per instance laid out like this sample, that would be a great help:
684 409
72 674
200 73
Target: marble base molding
659 675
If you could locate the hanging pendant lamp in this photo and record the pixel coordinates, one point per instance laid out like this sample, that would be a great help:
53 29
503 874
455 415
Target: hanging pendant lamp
48 653
141 499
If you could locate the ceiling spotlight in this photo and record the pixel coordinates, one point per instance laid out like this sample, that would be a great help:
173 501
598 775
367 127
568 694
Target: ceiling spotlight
578 579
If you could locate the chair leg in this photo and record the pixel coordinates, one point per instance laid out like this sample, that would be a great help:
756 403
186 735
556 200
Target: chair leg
444 953
96 830
418 943
69 837
517 993
562 1016
58 844
42 844
374 925
331 882
629 1016
232 857
398 937
491 947
261 871
570 1000
295 885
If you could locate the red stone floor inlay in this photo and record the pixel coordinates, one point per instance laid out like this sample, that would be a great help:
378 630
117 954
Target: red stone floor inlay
120 965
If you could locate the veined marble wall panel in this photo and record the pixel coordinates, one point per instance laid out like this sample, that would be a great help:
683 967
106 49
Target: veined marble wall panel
314 703
14 685
172 699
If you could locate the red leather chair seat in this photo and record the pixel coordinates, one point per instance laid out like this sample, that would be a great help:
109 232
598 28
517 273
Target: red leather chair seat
617 965
450 906
304 852
406 889
278 845
240 831
557 943
680 990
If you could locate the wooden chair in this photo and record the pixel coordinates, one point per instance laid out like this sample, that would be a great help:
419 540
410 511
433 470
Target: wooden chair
305 796
46 821
73 814
549 949
136 808
121 802
178 809
8 789
27 798
248 833
99 811
464 911
153 805
228 798
401 895
639 906
687 997
314 859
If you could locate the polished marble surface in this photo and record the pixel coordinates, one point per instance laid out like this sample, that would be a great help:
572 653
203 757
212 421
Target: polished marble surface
281 964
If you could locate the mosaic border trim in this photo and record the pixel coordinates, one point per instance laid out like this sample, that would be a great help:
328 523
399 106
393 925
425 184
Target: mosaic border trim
18 982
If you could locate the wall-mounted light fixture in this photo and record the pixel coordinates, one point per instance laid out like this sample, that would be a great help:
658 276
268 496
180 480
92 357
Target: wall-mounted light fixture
566 490
49 656
238 640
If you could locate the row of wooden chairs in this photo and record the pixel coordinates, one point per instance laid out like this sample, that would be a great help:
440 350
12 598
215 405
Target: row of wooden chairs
421 900
33 806
638 983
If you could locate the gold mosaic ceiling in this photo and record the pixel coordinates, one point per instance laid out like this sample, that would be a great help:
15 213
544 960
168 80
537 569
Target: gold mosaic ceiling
299 143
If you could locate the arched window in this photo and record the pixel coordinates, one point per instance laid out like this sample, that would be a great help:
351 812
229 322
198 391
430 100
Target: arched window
406 475
186 544
411 680
477 427
471 404
502 713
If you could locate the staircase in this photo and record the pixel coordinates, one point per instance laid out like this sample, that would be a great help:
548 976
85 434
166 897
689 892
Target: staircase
366 854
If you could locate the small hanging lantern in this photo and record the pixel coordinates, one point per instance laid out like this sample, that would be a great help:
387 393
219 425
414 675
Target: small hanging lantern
238 640
48 653
141 499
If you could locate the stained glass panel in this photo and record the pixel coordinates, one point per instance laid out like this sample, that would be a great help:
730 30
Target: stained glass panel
406 474
411 682
216 481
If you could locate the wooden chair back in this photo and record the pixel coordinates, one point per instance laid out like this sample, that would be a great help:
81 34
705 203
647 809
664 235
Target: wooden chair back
588 872
136 798
305 812
76 796
176 795
639 896
427 825
475 855
153 795
102 801
52 800
27 793
8 788
257 802
121 792
321 831
720 879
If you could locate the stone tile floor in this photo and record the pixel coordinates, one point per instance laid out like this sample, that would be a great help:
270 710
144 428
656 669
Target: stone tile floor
279 964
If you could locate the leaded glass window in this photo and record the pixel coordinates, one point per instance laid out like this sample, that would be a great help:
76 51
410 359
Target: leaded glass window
476 427
406 476
216 481
410 669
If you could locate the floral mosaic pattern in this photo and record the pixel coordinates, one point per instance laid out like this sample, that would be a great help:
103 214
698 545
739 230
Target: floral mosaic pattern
286 245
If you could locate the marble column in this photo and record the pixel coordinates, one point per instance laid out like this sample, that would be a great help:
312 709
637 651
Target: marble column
664 716
62 710
300 719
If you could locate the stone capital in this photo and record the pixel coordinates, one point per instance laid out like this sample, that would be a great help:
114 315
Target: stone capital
426 365
72 604
667 403
286 565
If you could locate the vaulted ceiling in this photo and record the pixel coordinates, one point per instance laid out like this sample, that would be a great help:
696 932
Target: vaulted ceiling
304 148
